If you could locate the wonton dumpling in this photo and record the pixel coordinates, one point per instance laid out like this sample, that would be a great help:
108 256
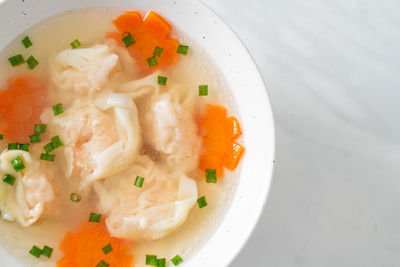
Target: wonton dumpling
100 138
150 212
26 200
83 69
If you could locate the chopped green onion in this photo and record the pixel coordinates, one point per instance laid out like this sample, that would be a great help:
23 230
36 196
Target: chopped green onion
56 141
183 49
161 262
40 128
107 249
35 138
12 146
162 80
58 109
176 260
202 202
94 217
47 157
158 51
1 137
151 260
102 264
75 44
47 251
203 90
75 197
49 147
24 147
152 61
16 60
139 181
17 164
211 176
9 179
26 42
127 39
35 251
32 62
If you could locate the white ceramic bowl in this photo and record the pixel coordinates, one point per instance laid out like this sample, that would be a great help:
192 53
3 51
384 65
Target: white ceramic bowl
232 59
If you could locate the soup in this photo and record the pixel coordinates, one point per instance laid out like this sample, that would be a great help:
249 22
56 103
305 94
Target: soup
118 144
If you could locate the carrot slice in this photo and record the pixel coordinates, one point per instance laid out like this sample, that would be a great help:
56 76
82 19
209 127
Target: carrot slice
20 107
157 25
83 247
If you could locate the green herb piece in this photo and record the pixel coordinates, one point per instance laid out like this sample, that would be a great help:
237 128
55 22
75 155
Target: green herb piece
203 90
40 128
94 217
9 179
24 147
75 197
161 262
35 251
158 51
35 138
162 80
151 260
102 264
49 147
127 39
58 109
47 157
176 260
202 202
16 60
183 49
32 62
1 137
26 42
211 176
107 249
152 61
56 141
17 164
75 44
139 181
12 146
47 251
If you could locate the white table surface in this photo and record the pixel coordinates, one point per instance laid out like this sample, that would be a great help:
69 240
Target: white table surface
332 69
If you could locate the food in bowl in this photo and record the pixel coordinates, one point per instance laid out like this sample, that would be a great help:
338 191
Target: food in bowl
119 146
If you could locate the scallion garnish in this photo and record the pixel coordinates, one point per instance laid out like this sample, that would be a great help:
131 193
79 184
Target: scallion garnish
47 157
12 146
58 109
56 141
203 90
94 217
161 262
75 197
16 60
35 138
127 39
1 137
183 49
107 249
158 51
32 62
40 128
151 260
24 147
17 164
47 251
26 42
162 80
35 251
139 181
49 147
202 202
75 44
211 176
9 179
102 264
176 260
152 61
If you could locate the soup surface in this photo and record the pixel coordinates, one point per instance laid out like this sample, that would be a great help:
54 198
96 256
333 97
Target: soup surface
118 130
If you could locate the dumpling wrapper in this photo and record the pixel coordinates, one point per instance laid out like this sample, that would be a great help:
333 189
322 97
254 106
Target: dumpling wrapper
150 212
27 199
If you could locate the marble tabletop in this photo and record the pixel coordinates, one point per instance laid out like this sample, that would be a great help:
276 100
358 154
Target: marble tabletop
332 69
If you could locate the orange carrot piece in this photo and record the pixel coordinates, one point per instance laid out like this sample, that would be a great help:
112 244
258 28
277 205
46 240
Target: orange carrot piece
83 247
233 127
157 25
232 156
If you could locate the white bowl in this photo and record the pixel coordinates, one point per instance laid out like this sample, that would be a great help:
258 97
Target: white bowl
243 78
